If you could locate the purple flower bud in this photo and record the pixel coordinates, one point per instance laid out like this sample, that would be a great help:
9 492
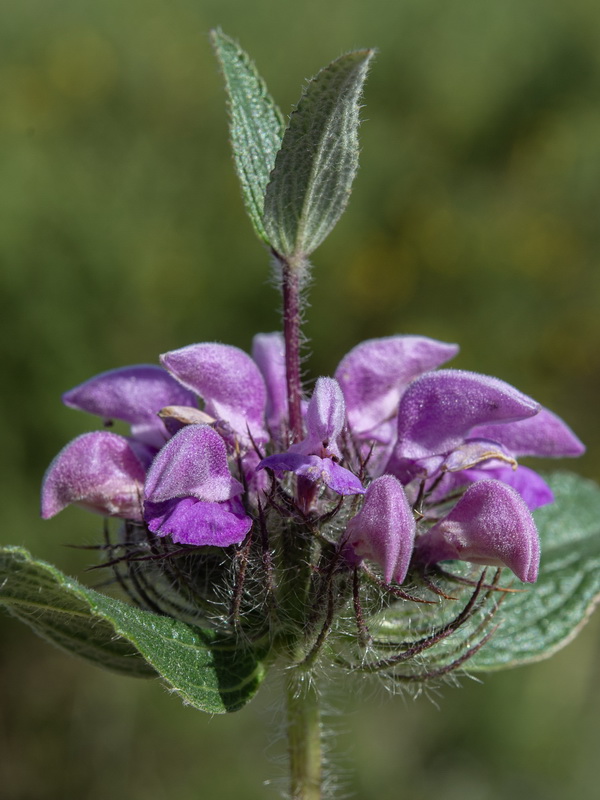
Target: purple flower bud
228 381
383 530
133 394
326 412
325 420
98 471
192 464
375 373
490 524
315 457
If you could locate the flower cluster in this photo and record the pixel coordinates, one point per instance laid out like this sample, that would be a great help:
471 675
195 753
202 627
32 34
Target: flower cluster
402 464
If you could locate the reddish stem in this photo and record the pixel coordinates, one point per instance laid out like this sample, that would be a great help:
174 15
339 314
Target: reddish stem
290 278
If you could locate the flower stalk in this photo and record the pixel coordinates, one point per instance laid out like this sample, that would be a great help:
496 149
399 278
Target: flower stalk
304 735
291 275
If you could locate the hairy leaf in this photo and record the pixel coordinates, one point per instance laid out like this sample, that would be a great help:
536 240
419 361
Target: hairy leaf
315 167
210 672
256 125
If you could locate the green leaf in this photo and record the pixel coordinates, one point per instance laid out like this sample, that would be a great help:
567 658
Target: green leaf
315 167
256 125
60 611
534 622
209 671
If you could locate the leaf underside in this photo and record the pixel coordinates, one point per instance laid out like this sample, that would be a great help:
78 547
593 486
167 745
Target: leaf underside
209 672
315 167
256 125
536 621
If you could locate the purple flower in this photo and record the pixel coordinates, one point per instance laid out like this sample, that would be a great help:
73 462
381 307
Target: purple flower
190 493
490 524
316 457
472 426
106 472
98 471
268 351
374 375
439 410
383 530
229 382
389 416
132 394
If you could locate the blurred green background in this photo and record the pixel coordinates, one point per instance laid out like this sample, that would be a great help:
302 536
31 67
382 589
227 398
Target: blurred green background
122 235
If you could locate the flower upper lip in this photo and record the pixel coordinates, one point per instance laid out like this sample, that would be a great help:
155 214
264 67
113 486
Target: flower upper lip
229 382
133 394
374 375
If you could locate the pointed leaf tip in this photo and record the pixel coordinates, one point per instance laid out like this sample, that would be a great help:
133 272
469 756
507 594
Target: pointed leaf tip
316 165
256 124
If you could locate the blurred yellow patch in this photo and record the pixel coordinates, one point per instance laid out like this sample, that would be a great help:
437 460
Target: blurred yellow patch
380 276
436 234
28 101
82 64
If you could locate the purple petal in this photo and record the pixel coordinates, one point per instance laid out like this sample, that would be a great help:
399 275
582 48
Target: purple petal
532 487
383 530
286 462
338 478
228 381
192 464
191 521
268 351
375 373
325 415
255 480
544 435
133 394
315 469
98 471
439 409
490 524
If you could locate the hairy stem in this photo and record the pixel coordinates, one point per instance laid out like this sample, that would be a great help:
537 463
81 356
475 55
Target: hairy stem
304 735
290 279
